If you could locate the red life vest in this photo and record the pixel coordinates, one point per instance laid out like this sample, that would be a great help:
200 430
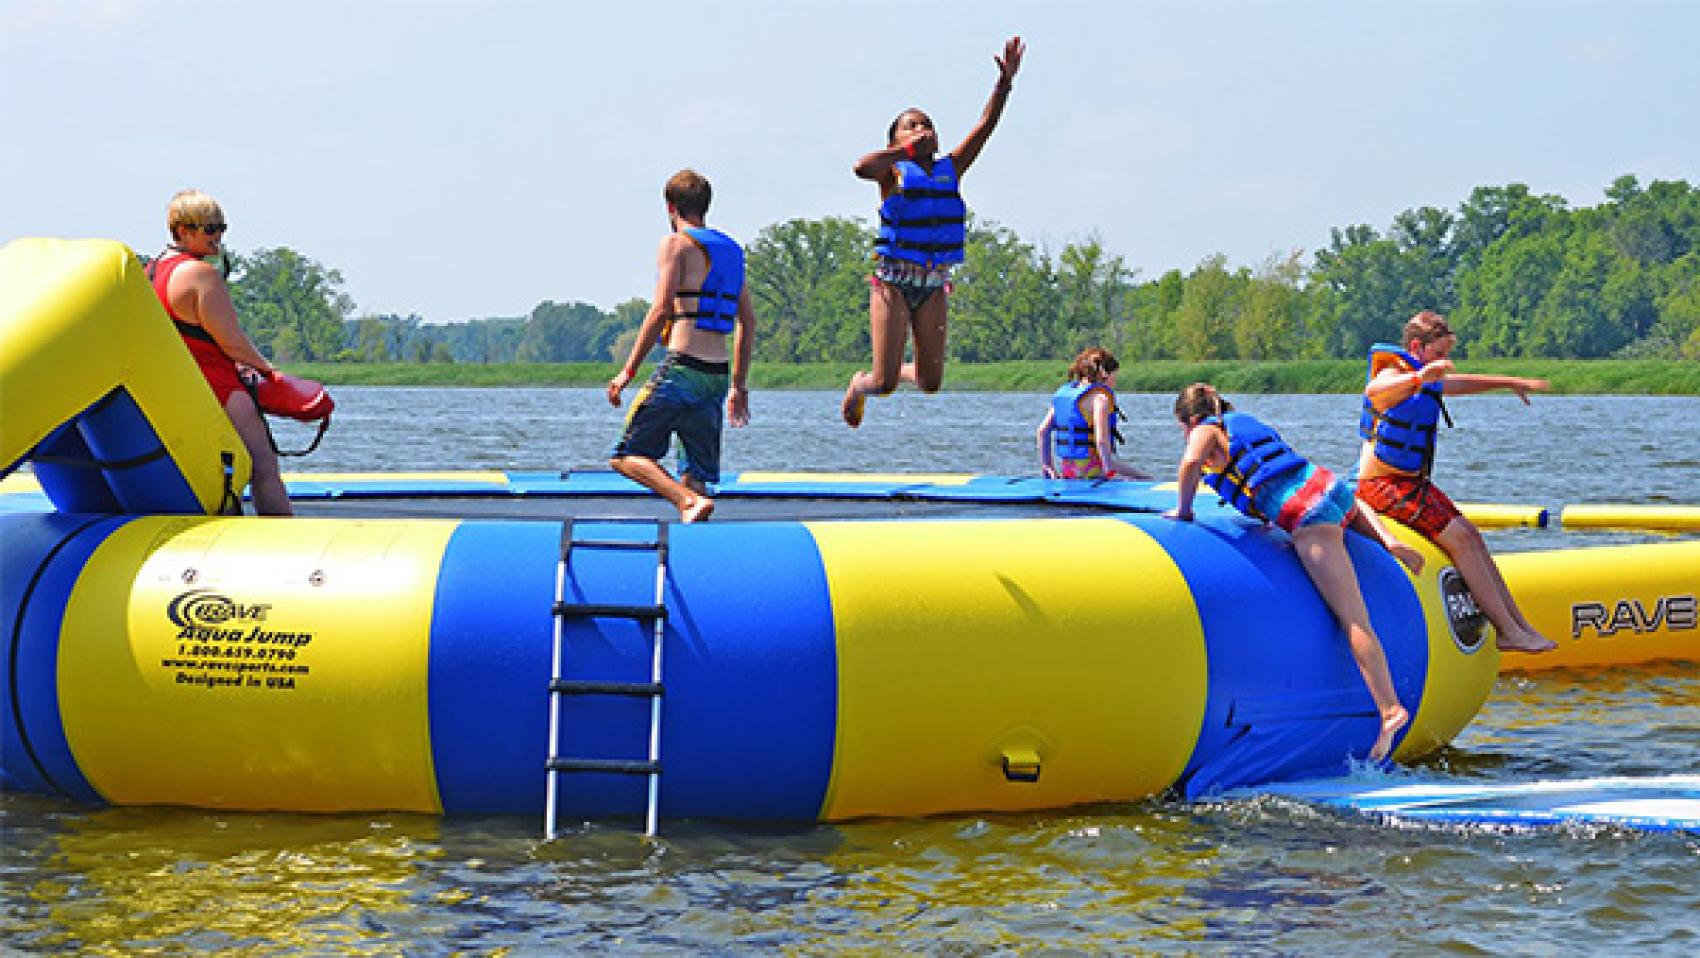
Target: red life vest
159 273
279 395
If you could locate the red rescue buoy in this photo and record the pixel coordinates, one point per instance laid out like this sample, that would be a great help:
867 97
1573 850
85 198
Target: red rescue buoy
294 397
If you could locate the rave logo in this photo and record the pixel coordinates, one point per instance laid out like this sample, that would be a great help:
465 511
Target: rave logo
203 608
1671 611
1463 616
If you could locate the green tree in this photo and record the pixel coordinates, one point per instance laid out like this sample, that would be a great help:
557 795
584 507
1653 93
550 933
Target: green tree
1499 298
1377 282
1151 332
372 340
808 284
290 305
1677 332
1094 295
566 332
1005 305
1209 310
1271 319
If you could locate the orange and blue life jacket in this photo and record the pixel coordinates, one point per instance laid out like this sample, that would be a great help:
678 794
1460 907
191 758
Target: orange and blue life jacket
1404 433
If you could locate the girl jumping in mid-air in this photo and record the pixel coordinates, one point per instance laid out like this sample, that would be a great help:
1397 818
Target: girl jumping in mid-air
1254 470
922 227
1077 438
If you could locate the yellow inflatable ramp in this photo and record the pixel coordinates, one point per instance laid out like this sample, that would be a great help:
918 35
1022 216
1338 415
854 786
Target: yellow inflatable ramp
98 391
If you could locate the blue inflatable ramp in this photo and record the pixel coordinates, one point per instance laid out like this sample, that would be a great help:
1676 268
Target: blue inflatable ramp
1660 803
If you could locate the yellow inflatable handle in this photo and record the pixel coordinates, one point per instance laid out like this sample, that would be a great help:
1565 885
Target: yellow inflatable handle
1656 518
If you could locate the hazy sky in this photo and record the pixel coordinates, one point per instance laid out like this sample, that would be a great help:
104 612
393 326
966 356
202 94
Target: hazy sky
471 159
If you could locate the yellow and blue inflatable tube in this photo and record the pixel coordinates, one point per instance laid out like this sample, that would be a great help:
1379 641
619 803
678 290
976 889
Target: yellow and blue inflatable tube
814 670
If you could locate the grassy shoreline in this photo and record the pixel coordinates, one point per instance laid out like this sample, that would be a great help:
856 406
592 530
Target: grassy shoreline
1639 377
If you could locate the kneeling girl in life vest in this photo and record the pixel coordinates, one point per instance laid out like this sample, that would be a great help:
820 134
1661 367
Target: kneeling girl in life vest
1254 470
1080 428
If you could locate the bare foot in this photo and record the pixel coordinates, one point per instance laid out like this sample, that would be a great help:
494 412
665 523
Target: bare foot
855 402
697 510
1533 643
1391 723
1412 558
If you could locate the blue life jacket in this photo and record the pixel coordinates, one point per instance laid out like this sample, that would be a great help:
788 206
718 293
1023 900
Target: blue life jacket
923 222
1071 433
716 307
1256 454
1403 433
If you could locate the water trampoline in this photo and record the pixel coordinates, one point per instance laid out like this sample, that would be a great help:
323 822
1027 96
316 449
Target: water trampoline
829 647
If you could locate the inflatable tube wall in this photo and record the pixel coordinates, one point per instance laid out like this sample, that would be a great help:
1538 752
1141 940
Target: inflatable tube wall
822 670
1610 605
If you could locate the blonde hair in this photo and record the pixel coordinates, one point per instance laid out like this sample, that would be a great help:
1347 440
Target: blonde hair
191 208
1198 401
689 193
1092 365
1426 327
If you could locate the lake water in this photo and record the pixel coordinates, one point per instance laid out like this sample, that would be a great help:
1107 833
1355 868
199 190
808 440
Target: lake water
1250 877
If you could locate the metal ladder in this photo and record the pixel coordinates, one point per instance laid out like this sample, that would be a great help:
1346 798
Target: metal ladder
652 690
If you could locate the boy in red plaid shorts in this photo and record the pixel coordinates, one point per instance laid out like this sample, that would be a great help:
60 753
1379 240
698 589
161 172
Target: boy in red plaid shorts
1403 402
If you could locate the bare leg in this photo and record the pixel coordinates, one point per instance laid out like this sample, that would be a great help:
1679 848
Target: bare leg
270 496
693 506
1470 554
888 318
1322 550
929 324
1365 520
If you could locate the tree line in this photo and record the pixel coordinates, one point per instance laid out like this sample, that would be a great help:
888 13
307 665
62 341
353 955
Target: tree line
1519 274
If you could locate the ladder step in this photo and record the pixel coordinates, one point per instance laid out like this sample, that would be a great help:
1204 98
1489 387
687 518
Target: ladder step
594 610
614 766
597 687
645 546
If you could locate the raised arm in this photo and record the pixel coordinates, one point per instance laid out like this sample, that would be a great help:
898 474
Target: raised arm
969 150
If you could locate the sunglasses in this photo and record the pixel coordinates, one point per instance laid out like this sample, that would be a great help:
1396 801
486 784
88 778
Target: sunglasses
211 229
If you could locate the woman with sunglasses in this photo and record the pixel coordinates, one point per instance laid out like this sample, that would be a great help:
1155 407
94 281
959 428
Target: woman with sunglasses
194 294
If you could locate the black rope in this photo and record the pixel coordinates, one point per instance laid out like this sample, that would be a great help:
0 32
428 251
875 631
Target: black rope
271 439
78 462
